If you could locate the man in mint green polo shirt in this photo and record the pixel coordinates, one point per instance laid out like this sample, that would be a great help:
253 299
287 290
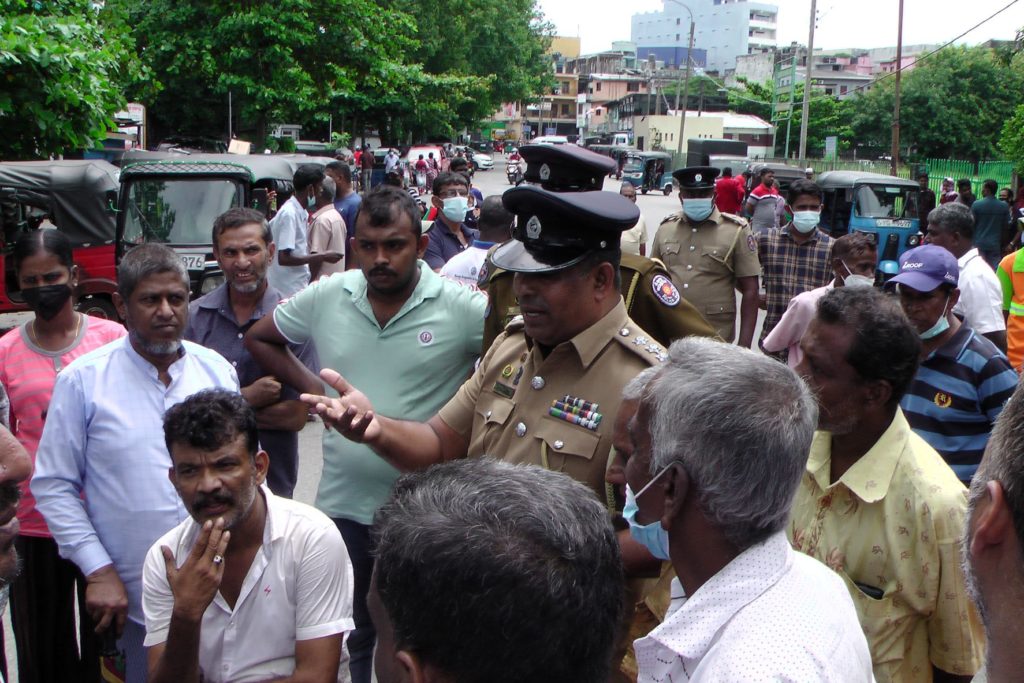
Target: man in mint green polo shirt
405 334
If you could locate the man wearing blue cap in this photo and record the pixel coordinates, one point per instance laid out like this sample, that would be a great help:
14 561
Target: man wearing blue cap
963 380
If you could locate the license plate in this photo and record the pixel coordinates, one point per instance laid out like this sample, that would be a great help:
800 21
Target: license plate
193 261
887 223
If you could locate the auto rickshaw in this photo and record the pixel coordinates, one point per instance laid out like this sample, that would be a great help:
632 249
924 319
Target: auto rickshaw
784 175
79 199
648 171
884 207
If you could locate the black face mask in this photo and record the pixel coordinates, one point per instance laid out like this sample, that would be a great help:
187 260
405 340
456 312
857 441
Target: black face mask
48 300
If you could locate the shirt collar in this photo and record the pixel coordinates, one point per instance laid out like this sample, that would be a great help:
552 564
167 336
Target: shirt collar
967 257
323 209
692 629
444 231
868 478
814 235
591 341
273 528
480 244
955 345
148 367
220 300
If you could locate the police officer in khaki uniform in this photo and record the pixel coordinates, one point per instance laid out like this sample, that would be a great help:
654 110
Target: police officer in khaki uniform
547 391
710 254
651 298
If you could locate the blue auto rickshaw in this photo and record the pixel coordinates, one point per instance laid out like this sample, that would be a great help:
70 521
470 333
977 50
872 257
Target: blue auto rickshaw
648 171
881 206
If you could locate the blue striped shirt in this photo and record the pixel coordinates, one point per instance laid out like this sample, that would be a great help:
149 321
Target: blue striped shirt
956 396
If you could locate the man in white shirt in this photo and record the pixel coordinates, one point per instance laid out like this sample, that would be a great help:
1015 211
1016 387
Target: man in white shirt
634 240
101 467
713 493
252 587
951 226
289 272
495 225
327 232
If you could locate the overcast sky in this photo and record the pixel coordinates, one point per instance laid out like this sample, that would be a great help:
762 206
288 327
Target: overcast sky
842 23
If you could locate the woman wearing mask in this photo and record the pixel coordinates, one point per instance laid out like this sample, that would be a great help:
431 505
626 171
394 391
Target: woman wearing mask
31 355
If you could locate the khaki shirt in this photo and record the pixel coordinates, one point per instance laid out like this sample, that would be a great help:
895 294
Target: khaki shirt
706 260
892 523
652 301
503 409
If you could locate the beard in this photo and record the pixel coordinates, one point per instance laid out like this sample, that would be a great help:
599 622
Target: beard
241 507
250 287
166 348
10 494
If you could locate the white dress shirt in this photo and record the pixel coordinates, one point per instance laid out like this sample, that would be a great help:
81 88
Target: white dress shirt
465 266
299 587
771 614
289 228
104 438
981 295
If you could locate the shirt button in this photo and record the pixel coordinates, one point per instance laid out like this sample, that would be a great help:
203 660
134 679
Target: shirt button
689 267
695 229
487 415
240 335
521 429
558 445
235 363
537 383
692 248
686 285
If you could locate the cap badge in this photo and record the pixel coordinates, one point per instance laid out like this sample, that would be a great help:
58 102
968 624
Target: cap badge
533 227
697 178
545 172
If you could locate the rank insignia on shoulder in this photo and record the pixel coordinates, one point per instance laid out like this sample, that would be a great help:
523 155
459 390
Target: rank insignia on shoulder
671 218
752 242
665 290
738 220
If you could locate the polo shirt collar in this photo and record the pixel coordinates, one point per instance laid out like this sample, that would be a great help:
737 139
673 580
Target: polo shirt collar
966 258
445 231
955 345
591 341
429 287
869 478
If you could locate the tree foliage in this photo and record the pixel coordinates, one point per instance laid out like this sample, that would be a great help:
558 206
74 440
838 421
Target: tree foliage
411 69
953 105
1011 142
61 74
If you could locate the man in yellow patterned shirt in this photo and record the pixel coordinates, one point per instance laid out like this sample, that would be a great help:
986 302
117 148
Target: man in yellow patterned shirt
877 504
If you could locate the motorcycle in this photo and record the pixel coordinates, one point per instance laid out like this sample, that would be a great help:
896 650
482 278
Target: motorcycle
513 172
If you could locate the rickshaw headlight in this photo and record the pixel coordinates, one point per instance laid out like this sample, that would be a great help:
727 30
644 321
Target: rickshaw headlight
914 240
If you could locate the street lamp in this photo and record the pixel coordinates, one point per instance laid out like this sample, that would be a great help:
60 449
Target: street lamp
686 80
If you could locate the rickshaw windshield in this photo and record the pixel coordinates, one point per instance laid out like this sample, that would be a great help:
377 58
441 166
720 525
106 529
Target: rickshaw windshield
633 165
177 211
885 201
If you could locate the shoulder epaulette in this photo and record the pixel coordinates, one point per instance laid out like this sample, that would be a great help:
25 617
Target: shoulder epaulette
671 218
516 324
636 340
733 218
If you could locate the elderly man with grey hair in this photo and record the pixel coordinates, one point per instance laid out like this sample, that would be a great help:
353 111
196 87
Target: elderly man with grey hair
488 571
327 233
951 226
101 468
992 545
709 487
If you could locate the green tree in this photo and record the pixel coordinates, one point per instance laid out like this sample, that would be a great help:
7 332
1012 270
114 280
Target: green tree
953 105
1011 142
62 70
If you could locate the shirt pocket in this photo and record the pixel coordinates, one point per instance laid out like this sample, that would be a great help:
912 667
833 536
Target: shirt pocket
885 621
712 259
670 248
569 448
492 413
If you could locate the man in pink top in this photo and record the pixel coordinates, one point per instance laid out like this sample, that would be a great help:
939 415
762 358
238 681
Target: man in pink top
42 600
853 263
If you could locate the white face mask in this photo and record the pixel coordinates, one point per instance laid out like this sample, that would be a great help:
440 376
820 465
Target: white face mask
854 280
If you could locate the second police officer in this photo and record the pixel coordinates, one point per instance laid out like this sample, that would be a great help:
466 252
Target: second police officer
711 254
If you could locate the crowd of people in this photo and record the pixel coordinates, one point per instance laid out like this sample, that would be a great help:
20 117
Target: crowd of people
544 458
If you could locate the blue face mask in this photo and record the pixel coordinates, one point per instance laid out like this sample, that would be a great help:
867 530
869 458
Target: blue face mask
455 208
806 221
940 326
652 536
698 209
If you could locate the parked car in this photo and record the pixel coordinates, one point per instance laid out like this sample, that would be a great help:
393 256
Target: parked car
416 150
479 160
79 199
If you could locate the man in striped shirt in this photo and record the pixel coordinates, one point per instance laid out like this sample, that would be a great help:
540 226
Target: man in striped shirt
963 379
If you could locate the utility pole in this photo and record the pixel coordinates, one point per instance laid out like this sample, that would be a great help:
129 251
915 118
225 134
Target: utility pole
807 81
231 133
686 88
895 162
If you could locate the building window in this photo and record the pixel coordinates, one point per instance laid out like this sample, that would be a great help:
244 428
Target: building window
677 21
597 86
632 86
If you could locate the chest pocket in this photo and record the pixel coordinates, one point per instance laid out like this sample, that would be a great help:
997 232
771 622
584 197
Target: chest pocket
492 412
569 448
670 249
712 258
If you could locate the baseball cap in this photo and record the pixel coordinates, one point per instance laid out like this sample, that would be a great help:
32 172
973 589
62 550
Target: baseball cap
926 267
